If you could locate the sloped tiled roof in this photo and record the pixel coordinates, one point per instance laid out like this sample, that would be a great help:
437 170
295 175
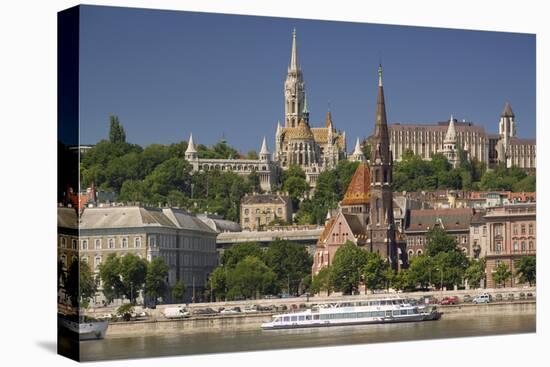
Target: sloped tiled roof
265 199
450 219
358 191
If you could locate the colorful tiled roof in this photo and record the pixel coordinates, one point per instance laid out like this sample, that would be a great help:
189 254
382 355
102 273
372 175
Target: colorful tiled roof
358 191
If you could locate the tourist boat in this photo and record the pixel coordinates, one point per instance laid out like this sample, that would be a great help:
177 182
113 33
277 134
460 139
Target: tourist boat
376 311
83 328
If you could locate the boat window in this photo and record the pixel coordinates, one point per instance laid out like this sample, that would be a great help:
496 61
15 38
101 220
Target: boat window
315 317
388 313
293 318
403 312
308 317
287 318
395 312
301 318
411 311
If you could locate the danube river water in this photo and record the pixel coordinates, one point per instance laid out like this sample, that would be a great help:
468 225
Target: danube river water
519 319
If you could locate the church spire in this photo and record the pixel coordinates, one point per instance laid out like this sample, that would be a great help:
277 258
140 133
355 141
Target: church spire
357 150
294 54
264 149
381 146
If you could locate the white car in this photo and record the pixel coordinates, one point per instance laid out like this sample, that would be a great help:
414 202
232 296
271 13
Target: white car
482 298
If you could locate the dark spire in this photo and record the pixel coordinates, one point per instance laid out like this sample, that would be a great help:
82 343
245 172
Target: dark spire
507 112
380 148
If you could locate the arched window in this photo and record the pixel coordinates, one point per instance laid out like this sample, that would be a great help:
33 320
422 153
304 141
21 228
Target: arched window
97 244
125 242
523 247
137 242
516 247
84 245
111 243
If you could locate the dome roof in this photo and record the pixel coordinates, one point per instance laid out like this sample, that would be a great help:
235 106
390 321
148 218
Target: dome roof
301 132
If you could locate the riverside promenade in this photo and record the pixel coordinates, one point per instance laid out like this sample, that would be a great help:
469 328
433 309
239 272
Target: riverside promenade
157 324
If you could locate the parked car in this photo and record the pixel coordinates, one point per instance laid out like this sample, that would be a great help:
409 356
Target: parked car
286 295
265 308
105 316
510 297
452 300
530 295
250 309
176 313
498 297
522 295
270 296
230 310
205 312
482 298
467 298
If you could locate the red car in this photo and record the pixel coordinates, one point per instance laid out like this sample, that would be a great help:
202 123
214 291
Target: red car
449 300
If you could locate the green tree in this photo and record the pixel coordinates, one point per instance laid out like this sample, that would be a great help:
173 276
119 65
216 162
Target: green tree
402 281
116 131
475 273
437 240
178 291
125 311
290 262
133 270
218 283
251 278
233 255
501 274
346 268
80 284
421 270
109 273
375 271
527 269
293 181
321 281
155 279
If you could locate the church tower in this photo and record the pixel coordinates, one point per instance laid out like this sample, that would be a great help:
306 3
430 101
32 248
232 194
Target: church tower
381 227
506 130
294 88
191 154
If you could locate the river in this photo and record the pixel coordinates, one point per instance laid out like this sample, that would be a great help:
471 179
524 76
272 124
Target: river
520 319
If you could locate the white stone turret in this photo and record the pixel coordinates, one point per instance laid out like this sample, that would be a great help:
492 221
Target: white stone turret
357 155
191 154
449 144
264 152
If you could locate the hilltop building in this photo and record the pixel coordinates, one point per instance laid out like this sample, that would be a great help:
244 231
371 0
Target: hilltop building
449 137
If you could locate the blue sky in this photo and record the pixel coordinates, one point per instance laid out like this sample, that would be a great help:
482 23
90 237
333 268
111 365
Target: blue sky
167 73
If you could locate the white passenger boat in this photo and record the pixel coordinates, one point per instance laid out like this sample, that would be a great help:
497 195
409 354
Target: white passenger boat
376 311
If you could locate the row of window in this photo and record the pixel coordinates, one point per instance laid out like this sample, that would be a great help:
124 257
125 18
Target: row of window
515 228
516 246
126 242
267 210
348 315
84 259
97 243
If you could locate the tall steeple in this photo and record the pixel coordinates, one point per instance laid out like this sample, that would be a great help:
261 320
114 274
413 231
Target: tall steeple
450 136
381 148
381 225
305 110
294 88
449 144
293 54
357 155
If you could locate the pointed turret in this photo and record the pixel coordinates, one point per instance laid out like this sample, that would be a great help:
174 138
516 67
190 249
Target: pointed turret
264 152
357 155
305 110
191 153
357 149
293 54
190 145
507 112
450 136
